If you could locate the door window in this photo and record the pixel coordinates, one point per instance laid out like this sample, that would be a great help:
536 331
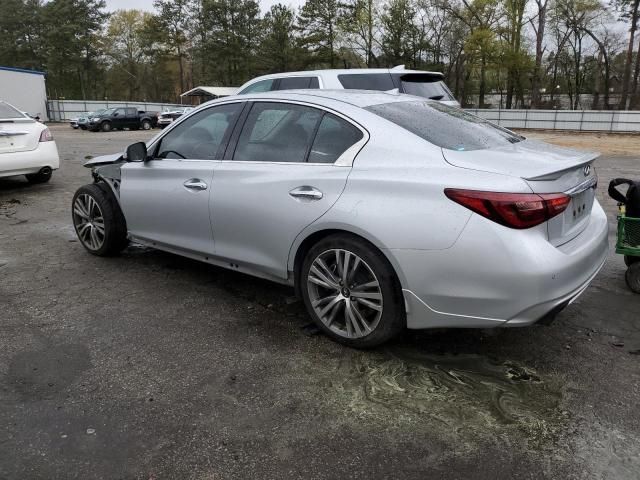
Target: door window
258 87
119 112
201 135
334 137
277 132
131 112
293 83
367 81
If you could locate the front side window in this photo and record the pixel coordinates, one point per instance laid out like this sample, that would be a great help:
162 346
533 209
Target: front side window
445 126
367 81
277 132
201 135
119 112
334 137
259 87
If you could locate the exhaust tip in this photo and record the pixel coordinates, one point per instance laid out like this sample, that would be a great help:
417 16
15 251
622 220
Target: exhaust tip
45 171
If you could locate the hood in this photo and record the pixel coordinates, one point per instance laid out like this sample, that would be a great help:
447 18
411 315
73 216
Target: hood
104 160
528 159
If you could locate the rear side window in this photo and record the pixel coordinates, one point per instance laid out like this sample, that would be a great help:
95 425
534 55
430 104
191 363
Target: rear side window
445 126
334 137
277 132
199 136
367 81
426 86
293 83
7 111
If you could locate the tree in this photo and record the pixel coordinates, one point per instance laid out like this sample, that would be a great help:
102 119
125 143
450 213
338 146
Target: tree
234 34
318 24
278 49
173 17
398 39
629 10
538 23
359 20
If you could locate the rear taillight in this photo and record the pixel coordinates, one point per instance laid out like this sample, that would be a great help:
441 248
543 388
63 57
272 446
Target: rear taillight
46 135
513 210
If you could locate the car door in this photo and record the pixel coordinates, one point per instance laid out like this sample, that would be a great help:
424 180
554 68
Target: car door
132 118
283 170
166 199
119 118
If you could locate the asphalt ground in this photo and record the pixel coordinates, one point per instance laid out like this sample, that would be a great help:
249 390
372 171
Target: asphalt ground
152 366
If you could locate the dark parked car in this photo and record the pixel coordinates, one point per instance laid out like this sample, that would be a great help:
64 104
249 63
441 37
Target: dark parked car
121 118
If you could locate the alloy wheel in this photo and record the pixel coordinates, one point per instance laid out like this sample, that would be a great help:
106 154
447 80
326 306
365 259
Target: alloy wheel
345 293
89 221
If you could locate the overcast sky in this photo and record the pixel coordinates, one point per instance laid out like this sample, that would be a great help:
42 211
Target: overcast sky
148 4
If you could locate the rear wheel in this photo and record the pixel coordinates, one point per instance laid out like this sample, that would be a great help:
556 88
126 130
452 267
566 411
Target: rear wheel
105 127
43 176
146 125
351 292
98 220
632 277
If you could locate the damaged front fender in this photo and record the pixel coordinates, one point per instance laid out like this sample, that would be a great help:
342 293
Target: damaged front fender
106 168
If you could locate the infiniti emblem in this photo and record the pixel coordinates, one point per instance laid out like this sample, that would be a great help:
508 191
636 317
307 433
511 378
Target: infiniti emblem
587 170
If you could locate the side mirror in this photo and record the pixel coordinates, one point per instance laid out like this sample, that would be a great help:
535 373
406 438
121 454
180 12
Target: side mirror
136 152
115 114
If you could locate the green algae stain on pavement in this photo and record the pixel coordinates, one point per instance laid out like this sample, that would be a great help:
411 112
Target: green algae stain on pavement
464 395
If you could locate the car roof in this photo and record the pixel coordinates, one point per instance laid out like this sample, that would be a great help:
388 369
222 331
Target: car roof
358 98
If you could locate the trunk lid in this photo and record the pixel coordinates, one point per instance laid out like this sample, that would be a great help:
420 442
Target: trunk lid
546 169
19 135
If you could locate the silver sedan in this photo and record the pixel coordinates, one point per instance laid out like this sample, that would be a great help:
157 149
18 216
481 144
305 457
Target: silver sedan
384 211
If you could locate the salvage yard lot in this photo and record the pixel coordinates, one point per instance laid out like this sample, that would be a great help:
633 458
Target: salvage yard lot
149 365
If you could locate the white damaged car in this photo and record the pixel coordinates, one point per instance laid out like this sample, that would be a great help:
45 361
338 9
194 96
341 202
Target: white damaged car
26 146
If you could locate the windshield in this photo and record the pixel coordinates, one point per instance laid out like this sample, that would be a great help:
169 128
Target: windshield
7 111
426 86
97 112
444 126
108 111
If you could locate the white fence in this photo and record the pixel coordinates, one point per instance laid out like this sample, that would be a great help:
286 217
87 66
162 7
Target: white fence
579 120
61 110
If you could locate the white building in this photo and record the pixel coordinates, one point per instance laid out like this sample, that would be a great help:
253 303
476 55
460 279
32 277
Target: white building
25 90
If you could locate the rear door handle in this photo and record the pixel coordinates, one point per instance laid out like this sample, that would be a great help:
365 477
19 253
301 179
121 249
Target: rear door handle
306 192
195 184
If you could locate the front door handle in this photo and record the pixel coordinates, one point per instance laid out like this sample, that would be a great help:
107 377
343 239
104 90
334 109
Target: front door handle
195 184
306 192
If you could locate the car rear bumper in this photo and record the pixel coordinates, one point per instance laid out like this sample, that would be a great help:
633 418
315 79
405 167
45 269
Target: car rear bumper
22 163
494 276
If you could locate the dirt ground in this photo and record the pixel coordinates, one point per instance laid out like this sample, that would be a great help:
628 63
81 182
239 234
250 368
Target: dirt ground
605 143
151 366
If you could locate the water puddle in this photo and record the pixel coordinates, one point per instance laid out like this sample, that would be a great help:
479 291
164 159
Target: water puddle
461 392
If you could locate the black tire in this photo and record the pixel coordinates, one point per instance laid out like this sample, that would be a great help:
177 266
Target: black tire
630 260
115 226
40 177
632 277
393 318
145 125
105 126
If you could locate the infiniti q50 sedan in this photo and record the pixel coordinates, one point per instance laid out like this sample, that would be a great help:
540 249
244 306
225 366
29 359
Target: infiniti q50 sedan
384 211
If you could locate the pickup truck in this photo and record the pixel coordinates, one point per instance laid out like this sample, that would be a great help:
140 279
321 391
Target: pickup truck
121 118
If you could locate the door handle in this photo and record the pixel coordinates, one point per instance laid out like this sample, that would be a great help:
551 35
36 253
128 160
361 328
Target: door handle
195 184
306 192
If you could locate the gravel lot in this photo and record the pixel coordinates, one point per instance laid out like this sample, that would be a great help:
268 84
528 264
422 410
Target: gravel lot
151 366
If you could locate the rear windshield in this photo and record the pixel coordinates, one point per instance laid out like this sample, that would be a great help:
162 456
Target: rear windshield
426 86
7 111
444 126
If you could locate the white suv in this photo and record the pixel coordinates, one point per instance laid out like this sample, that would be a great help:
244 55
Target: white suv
414 82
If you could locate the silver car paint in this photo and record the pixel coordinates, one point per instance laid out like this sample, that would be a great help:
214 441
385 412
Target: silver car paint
456 268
